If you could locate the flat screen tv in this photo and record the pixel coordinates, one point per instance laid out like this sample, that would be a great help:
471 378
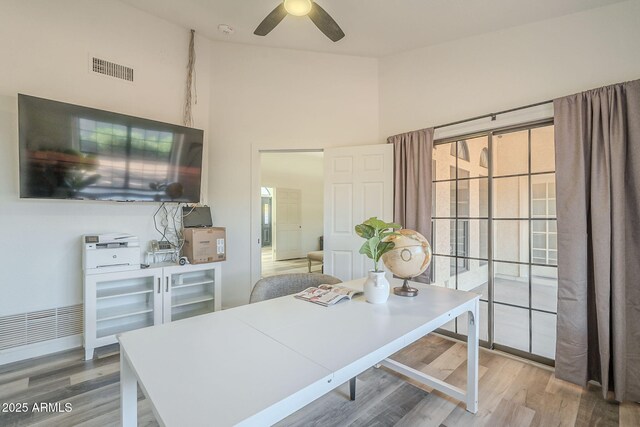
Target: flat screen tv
73 152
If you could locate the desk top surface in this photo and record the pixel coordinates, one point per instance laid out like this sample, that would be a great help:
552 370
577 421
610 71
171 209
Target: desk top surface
229 365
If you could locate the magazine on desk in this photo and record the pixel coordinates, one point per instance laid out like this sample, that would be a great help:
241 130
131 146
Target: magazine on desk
327 295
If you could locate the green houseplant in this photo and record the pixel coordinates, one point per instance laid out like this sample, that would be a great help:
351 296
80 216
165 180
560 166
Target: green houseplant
374 231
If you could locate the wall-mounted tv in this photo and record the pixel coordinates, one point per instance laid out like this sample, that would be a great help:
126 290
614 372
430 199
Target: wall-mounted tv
73 152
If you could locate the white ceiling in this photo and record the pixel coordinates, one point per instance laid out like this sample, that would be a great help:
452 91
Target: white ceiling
373 27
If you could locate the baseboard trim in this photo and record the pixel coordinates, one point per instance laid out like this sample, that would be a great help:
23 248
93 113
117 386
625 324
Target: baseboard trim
44 348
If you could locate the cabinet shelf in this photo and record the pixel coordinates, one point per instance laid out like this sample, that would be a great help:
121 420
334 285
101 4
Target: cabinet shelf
191 313
117 312
118 329
122 291
180 301
193 282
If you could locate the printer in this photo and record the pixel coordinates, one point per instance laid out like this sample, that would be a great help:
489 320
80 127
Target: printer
102 253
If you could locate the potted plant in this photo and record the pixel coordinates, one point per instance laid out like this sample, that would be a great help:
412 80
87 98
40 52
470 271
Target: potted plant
375 233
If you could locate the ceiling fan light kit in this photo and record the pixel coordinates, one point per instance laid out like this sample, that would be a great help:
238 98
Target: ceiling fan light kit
317 14
298 7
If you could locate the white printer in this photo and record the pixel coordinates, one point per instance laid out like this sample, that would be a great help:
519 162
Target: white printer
103 253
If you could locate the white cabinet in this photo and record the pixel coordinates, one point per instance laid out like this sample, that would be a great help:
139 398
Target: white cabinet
190 292
122 301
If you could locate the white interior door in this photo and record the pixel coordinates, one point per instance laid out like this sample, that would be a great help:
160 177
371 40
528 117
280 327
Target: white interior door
287 223
358 185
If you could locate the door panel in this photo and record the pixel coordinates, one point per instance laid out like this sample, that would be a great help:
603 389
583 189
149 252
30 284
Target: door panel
358 185
287 224
342 218
342 262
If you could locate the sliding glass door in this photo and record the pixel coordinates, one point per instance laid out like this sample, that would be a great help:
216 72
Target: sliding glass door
494 232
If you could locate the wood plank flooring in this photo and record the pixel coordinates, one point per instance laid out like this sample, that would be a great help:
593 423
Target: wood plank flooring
512 392
296 265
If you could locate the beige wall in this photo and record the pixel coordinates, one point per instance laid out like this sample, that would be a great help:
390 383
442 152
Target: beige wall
277 98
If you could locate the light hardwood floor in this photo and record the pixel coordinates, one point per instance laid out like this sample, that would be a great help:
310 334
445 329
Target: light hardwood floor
511 393
297 265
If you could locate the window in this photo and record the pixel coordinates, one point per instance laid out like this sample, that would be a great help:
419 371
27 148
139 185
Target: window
495 233
459 218
460 150
484 158
483 232
460 227
544 235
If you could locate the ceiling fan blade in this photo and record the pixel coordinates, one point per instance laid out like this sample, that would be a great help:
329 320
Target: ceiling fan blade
325 23
271 21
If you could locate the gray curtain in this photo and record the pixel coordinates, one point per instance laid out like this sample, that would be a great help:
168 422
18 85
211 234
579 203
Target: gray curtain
412 199
597 137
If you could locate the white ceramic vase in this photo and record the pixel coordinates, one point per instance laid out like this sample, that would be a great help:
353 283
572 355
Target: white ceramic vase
376 287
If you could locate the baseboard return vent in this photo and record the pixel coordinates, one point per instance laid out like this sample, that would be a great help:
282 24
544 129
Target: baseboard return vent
108 68
38 326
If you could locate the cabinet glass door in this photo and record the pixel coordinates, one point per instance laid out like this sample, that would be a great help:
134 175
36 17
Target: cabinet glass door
192 294
125 304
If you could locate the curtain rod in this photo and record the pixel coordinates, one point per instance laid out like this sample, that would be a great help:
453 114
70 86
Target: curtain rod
493 115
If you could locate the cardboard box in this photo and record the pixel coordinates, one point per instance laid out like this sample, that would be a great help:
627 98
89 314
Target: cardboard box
207 244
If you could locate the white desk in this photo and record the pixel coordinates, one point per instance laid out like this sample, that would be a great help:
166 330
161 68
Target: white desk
256 364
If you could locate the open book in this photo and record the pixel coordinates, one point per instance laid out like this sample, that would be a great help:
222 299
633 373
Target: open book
327 295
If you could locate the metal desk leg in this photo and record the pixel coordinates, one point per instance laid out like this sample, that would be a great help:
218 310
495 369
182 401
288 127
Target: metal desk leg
352 388
128 394
473 328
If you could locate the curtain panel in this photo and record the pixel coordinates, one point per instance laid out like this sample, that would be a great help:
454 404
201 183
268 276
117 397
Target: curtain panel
412 183
597 137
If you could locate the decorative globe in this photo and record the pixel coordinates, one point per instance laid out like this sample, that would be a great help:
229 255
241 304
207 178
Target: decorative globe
410 256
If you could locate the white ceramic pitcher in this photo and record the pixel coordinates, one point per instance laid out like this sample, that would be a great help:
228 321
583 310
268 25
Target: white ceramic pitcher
376 287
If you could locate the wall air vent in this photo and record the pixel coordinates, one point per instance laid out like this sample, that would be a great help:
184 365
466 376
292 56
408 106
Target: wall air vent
37 326
107 68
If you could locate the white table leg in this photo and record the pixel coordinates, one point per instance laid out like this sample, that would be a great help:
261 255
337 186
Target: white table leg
473 328
128 394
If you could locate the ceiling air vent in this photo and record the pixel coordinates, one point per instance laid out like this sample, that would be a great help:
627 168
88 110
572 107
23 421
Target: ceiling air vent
102 66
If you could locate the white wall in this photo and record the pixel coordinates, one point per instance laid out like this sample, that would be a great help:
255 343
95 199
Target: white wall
509 68
277 98
45 47
304 172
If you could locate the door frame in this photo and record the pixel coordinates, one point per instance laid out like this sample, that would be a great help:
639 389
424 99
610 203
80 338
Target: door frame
255 248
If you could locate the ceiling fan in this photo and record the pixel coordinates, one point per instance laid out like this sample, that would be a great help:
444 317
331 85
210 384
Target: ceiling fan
310 8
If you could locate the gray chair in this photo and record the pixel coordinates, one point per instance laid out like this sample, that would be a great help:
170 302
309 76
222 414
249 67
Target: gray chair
287 284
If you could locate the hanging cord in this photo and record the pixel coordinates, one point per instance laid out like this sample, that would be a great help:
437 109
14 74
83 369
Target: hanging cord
190 89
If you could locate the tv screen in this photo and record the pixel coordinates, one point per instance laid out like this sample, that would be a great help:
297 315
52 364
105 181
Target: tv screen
73 152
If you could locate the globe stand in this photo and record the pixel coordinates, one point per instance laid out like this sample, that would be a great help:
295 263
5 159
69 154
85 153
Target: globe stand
405 290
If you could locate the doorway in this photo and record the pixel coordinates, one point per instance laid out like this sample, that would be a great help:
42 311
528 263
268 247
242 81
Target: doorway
266 209
291 211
